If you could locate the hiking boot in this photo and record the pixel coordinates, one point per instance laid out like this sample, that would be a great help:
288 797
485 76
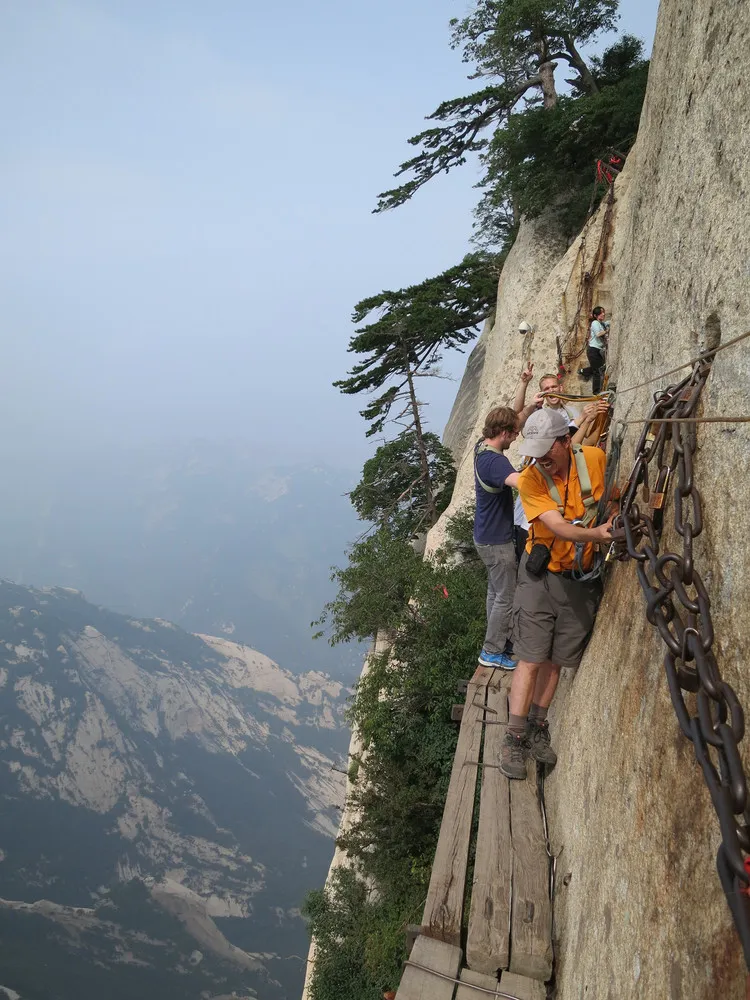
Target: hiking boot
501 660
537 736
514 753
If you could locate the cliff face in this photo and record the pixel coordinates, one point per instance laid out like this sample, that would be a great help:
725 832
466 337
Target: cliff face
643 914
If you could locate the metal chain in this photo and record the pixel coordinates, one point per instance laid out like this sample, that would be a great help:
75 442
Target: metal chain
678 605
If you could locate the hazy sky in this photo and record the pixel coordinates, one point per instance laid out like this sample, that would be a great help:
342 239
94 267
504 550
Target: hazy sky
186 188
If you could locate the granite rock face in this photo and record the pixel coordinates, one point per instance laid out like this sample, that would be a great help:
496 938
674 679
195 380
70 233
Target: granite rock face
643 914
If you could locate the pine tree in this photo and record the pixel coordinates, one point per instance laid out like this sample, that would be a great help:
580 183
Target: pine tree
415 325
517 44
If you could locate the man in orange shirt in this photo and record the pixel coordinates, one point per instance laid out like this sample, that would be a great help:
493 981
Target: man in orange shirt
555 605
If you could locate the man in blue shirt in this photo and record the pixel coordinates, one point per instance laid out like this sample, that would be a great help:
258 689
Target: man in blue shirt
493 530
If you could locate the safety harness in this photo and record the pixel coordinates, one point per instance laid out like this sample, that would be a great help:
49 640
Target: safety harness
479 447
590 505
584 479
589 515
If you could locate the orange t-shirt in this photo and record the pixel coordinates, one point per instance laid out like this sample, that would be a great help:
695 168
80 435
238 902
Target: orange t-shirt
536 499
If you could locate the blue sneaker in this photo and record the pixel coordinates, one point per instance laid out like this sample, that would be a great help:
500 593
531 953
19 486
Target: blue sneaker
497 660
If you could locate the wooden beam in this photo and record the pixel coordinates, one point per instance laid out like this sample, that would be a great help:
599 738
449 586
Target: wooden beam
436 956
521 987
444 908
531 911
488 942
476 979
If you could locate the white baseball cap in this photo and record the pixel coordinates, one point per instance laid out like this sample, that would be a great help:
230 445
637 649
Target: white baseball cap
541 431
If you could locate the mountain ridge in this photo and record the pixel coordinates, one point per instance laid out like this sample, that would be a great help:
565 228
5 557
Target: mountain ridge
134 753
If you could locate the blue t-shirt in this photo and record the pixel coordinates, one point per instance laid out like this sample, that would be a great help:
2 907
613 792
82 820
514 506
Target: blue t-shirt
493 518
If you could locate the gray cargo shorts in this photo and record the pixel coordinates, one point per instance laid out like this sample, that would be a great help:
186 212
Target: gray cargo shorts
553 617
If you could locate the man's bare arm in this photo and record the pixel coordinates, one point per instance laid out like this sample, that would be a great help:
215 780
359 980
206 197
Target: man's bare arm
554 520
526 376
588 419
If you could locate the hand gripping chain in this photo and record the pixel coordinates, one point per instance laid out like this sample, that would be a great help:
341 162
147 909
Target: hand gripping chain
678 604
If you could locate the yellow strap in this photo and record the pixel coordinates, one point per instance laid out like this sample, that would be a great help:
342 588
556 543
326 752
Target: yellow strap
584 480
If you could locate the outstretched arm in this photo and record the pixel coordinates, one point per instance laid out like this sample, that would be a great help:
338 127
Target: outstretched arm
526 376
589 418
554 520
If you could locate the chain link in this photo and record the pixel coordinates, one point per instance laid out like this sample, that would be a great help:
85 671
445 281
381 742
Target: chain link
678 605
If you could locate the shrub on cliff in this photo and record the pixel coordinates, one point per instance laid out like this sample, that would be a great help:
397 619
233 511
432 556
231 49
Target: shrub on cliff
374 588
393 488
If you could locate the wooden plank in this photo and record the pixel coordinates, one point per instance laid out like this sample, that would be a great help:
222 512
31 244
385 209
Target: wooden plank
444 907
516 986
476 979
488 942
437 956
521 987
531 912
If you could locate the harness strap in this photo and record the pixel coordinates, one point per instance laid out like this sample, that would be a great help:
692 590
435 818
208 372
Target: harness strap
584 480
479 448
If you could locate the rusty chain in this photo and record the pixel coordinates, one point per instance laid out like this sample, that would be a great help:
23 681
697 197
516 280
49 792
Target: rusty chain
678 605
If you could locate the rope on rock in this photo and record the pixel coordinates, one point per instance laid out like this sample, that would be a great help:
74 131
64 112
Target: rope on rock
687 364
686 420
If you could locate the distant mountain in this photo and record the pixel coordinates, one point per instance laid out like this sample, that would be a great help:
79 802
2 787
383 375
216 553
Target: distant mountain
166 800
206 536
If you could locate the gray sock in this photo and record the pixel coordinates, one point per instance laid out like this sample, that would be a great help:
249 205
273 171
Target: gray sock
516 724
537 713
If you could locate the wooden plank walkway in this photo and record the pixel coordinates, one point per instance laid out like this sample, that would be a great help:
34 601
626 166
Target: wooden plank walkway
488 941
531 910
438 956
509 984
509 937
444 908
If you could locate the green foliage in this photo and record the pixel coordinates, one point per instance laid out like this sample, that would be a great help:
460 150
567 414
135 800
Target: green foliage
511 41
460 532
413 327
547 156
617 62
373 588
359 943
498 34
402 711
393 491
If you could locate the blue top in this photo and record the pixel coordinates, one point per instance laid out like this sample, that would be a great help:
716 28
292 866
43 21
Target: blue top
493 518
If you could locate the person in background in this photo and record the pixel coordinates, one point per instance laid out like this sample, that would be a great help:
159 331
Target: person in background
494 478
598 332
547 384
